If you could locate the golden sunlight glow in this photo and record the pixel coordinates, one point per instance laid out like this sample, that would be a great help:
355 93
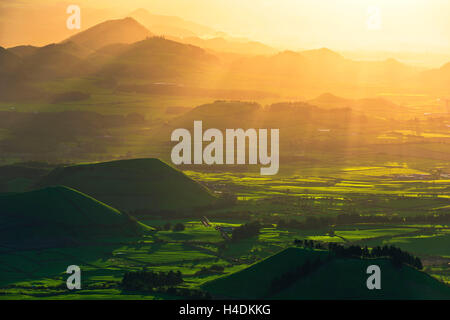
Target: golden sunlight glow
388 25
405 24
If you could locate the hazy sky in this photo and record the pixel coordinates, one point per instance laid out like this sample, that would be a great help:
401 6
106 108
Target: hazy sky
409 25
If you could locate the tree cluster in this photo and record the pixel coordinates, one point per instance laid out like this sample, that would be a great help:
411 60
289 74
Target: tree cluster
147 280
214 269
247 230
397 256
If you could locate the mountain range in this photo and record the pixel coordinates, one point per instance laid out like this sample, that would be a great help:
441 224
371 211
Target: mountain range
125 50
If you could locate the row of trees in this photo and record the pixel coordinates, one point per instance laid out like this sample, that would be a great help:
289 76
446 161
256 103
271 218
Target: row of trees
147 280
397 255
309 244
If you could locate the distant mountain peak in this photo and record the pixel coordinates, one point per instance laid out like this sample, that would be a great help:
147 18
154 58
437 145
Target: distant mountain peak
289 54
321 53
126 30
140 11
329 97
169 24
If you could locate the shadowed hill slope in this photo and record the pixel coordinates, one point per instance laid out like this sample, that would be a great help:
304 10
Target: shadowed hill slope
346 279
19 177
8 61
60 216
337 278
139 184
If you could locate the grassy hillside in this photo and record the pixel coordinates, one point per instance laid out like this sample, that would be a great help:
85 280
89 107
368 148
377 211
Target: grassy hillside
59 216
148 184
254 281
346 279
335 279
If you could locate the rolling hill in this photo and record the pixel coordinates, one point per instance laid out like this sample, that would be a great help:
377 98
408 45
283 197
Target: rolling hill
19 177
56 60
23 51
139 184
222 114
435 80
59 216
160 60
230 45
372 106
291 72
8 61
13 77
291 117
338 278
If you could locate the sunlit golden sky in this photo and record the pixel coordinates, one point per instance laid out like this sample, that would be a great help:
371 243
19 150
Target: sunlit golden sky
406 25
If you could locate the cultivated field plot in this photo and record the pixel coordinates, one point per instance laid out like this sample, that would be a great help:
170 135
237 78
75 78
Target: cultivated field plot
195 249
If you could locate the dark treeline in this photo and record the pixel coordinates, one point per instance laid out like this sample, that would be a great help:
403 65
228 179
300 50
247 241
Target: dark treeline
311 223
397 256
162 283
147 280
245 231
311 244
168 226
214 269
288 278
187 293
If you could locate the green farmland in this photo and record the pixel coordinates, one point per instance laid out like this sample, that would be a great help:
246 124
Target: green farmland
396 206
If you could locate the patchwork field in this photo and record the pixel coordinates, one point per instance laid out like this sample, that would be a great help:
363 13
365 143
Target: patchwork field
393 208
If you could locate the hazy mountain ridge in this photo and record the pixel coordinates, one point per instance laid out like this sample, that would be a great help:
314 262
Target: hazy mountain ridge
165 25
125 30
123 49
